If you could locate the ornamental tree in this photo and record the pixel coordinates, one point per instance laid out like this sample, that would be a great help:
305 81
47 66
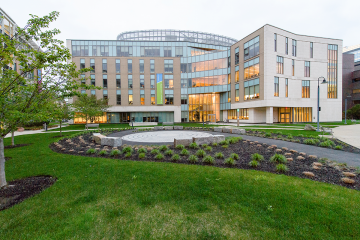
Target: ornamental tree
23 97
61 111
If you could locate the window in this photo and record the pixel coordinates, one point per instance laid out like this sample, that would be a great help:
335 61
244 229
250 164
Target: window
117 65
305 89
251 68
178 51
286 87
356 91
141 65
183 99
92 92
332 70
251 89
152 99
130 93
237 76
237 97
150 51
229 78
243 114
251 48
293 67
118 97
236 55
142 97
118 81
104 66
105 94
152 81
184 83
183 67
92 65
275 42
279 65
130 81
167 51
169 97
294 48
276 87
82 63
152 65
83 91
129 66
169 81
92 79
286 46
168 65
307 69
229 96
142 81
83 80
104 81
311 50
123 51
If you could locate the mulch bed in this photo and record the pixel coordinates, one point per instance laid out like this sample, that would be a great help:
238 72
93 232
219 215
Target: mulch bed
18 190
17 145
329 172
345 147
8 158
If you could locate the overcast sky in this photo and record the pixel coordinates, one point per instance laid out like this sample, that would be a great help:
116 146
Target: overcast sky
105 19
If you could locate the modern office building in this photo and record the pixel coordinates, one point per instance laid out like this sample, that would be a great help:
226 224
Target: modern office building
356 51
351 81
269 76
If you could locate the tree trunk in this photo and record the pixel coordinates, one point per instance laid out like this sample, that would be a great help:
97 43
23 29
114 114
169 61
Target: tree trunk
2 163
12 138
60 129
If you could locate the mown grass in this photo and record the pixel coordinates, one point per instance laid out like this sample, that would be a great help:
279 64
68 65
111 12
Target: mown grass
97 198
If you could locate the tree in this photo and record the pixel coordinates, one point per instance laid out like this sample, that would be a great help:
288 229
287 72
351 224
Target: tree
354 112
24 98
62 111
89 107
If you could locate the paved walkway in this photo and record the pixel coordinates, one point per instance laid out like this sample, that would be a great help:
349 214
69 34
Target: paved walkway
349 134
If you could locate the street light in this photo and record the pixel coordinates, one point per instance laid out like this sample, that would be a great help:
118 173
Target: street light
346 106
318 102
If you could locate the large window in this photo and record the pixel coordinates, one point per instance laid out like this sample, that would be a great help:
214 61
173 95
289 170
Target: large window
167 51
251 89
169 97
131 100
92 92
141 66
105 81
92 79
142 97
298 114
237 97
183 99
152 81
142 81
311 50
184 83
237 76
178 51
236 55
118 97
307 69
204 107
82 63
279 65
204 65
92 65
124 51
251 68
105 94
130 81
286 87
118 81
251 48
152 65
276 86
294 47
152 99
305 89
129 66
207 81
150 51
104 66
117 65
286 46
169 81
332 71
168 65
243 114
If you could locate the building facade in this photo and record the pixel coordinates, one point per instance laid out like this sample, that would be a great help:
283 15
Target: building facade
269 76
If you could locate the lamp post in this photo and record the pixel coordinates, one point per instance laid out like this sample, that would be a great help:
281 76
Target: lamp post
318 102
346 106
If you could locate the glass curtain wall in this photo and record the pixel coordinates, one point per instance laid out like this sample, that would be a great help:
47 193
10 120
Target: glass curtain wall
296 114
203 106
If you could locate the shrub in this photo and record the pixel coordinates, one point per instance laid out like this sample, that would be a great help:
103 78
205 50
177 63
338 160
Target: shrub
300 135
354 112
142 150
297 141
214 144
267 135
194 145
309 141
175 158
169 153
316 141
225 146
180 147
208 148
224 142
128 154
91 151
323 139
200 153
102 152
254 163
325 144
234 156
209 160
127 150
184 152
278 158
163 148
205 145
159 156
338 147
219 155
232 141
193 159
282 168
142 155
114 152
257 157
289 136
155 151
230 161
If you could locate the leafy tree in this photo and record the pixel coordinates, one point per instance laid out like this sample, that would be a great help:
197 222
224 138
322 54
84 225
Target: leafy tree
89 107
354 112
61 111
24 98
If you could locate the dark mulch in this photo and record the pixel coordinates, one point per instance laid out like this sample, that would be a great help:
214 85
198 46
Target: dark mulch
8 158
329 172
17 145
18 190
57 136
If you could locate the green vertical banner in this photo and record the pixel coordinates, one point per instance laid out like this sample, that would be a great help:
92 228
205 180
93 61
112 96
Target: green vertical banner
159 88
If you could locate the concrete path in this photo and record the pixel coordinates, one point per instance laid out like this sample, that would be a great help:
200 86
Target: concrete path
349 134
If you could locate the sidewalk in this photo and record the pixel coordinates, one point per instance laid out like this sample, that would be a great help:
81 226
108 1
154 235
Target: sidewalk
349 134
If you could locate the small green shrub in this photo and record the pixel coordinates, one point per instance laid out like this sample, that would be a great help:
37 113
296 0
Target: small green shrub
317 141
219 155
209 160
200 153
225 146
267 135
91 151
175 158
282 168
128 154
102 153
338 147
180 147
297 140
127 150
234 156
309 141
323 160
142 155
278 158
155 151
184 152
163 148
317 137
230 161
214 144
208 148
323 139
159 156
257 157
114 152
224 142
205 145
193 159
325 144
169 153
193 145
289 136
254 163
142 150
301 135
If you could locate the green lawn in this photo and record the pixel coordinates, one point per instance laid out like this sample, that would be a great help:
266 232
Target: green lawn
98 198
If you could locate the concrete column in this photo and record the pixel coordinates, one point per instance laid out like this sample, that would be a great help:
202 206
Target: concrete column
269 115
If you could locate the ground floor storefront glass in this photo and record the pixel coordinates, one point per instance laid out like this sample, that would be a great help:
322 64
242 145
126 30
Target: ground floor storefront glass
130 117
204 107
243 114
296 114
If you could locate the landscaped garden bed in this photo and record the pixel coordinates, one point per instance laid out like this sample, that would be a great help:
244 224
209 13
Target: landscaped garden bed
233 153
